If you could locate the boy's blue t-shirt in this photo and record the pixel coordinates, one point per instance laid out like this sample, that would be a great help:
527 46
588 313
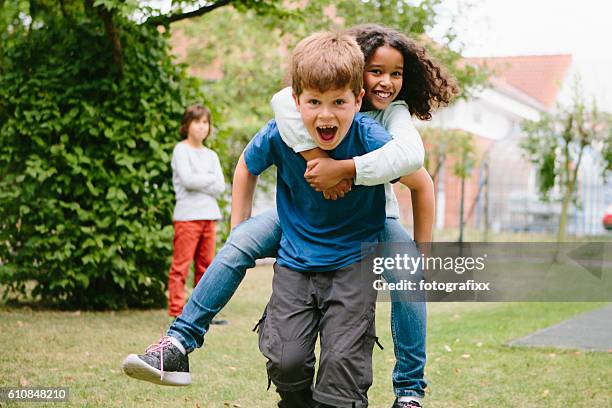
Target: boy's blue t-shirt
318 234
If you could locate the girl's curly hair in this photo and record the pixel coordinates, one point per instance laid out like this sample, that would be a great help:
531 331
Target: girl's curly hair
427 85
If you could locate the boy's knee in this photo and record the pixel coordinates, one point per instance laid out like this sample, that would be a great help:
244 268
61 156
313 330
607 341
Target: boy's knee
294 367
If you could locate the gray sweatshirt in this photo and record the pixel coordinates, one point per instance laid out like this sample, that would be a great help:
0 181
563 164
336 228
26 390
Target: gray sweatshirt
197 179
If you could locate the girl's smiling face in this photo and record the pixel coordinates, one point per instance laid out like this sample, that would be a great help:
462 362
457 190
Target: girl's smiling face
383 77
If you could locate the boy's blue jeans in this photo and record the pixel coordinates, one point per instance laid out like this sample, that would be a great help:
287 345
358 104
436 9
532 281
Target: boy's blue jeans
258 237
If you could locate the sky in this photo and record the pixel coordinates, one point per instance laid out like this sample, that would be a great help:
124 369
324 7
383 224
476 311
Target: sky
540 27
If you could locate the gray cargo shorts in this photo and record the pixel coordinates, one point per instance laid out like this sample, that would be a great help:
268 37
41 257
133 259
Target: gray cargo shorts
338 306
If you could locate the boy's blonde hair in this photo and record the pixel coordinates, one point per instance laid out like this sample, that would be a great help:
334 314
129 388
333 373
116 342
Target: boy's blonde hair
327 60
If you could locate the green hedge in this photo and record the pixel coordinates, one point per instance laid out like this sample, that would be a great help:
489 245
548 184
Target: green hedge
85 180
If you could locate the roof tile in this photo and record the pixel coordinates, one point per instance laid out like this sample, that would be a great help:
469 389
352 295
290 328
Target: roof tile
539 76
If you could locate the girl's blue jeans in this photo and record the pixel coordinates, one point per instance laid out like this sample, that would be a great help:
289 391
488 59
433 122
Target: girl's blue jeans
258 237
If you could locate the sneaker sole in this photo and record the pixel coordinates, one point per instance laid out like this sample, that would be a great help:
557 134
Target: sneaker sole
136 368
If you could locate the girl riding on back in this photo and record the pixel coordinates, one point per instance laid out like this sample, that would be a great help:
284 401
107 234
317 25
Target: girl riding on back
400 80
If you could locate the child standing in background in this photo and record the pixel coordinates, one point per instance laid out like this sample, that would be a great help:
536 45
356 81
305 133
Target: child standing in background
197 179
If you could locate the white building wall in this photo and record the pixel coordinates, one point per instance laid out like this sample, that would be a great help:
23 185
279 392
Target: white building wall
514 200
490 114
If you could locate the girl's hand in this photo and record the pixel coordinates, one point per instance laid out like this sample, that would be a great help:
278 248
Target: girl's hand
338 191
324 173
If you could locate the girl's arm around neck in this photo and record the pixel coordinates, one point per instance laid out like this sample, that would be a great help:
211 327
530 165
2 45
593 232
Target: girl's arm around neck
289 121
401 156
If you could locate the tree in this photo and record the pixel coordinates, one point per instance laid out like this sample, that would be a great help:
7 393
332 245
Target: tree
90 103
36 13
556 143
442 144
89 106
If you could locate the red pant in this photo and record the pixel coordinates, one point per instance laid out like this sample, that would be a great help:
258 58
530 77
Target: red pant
193 240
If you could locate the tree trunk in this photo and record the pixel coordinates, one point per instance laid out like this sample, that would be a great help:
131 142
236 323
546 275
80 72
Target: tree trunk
563 220
462 204
112 32
572 179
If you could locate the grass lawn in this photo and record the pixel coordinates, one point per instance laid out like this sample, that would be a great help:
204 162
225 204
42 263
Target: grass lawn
468 363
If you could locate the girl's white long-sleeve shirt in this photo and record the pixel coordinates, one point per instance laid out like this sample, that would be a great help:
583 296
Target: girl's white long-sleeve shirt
197 178
401 156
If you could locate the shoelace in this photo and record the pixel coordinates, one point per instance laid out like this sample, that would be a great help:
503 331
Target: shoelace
160 346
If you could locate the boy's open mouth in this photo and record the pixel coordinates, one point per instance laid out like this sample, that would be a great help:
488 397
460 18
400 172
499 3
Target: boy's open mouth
327 133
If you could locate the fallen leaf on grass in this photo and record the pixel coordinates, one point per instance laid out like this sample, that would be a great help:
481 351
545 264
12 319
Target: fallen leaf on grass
545 393
447 348
24 382
465 356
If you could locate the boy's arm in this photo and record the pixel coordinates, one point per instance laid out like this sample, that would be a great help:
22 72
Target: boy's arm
423 203
257 156
243 189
